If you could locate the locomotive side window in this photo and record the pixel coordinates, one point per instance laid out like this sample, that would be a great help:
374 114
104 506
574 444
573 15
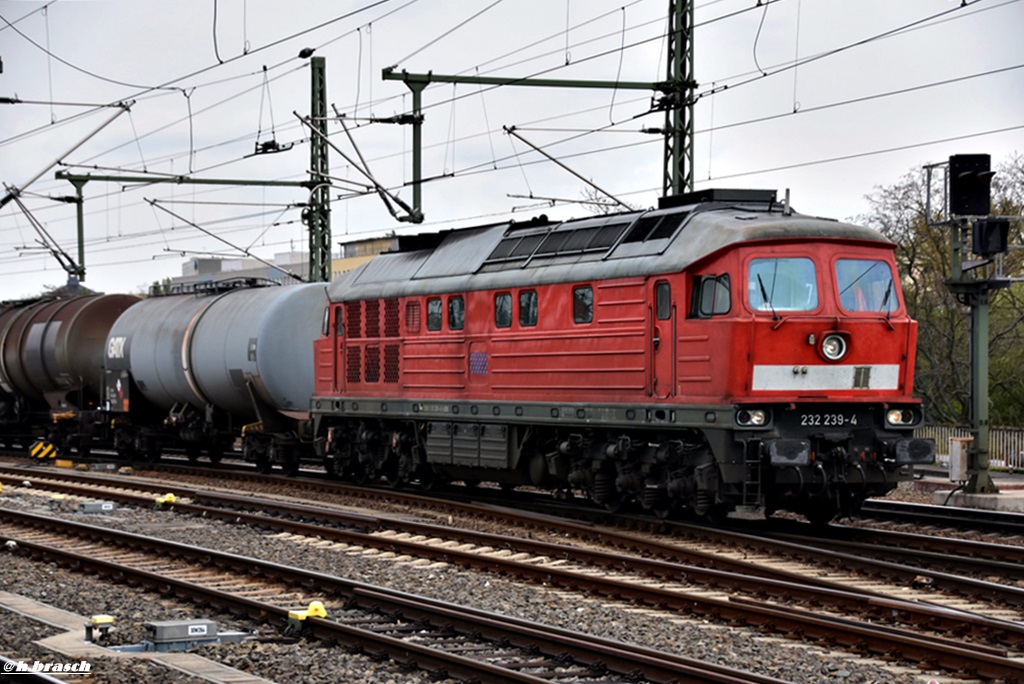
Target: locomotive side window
528 308
456 313
435 313
503 310
325 328
711 296
583 304
865 285
663 301
782 284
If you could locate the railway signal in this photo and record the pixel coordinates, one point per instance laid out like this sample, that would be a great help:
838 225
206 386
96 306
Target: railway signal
968 206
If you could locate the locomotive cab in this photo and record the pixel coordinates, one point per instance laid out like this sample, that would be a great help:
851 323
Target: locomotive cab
822 377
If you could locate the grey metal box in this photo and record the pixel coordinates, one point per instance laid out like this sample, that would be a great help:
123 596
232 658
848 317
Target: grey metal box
181 630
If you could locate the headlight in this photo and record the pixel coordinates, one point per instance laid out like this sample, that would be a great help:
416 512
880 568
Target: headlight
833 347
901 417
751 417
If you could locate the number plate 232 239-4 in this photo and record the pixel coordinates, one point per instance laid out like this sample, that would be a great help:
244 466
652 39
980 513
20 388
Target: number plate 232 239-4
827 420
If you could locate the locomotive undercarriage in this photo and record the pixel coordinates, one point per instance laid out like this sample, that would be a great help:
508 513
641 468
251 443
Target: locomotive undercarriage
612 468
706 471
830 474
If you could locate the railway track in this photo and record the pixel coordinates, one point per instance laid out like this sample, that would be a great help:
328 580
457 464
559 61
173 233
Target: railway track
455 640
944 516
656 581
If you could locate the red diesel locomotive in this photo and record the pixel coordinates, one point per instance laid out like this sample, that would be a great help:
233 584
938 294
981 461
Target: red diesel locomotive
720 354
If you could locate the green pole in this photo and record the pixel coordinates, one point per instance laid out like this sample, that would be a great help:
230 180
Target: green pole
319 216
79 183
979 479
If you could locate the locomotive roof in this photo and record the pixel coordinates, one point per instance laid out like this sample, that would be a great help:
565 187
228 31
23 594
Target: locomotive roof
618 245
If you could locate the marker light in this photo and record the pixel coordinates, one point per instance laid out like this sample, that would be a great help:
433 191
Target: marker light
751 418
900 417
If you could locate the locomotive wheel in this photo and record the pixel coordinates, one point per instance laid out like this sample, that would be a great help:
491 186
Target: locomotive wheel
662 510
428 477
358 473
328 465
192 452
613 505
821 512
392 472
216 453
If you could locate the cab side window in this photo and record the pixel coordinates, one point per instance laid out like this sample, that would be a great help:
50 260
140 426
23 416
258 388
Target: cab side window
711 296
663 301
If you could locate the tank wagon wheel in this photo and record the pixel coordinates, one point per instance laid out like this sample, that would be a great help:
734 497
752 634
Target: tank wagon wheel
192 451
215 453
153 450
291 462
254 452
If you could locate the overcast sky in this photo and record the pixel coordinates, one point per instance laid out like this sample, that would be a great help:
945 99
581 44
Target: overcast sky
829 98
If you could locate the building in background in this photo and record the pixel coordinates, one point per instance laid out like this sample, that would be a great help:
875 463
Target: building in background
284 266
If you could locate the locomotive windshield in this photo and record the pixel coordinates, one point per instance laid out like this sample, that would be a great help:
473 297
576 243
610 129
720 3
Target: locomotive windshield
782 284
865 285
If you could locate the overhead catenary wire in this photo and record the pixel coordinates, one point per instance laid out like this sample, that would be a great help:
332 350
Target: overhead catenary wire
728 124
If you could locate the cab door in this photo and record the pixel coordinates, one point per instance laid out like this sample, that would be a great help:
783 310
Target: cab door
662 339
328 352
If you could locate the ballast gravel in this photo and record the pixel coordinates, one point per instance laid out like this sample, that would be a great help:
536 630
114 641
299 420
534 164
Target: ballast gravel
736 647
